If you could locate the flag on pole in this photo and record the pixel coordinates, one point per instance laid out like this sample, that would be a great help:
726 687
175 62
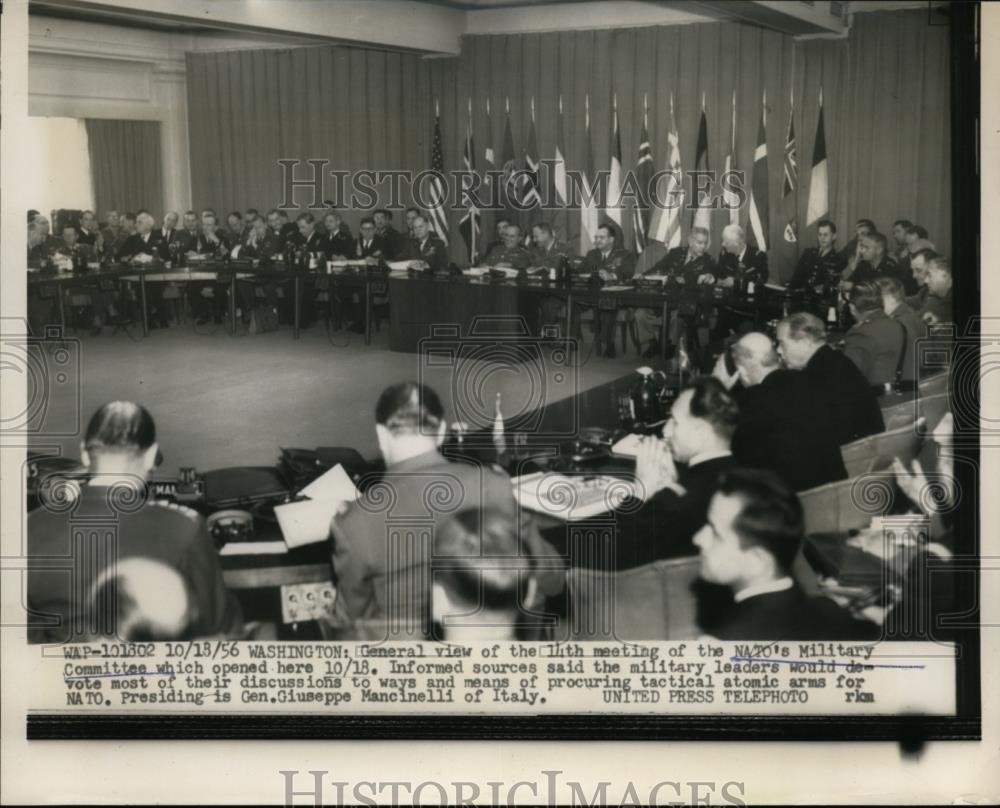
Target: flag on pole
758 189
508 164
613 204
438 200
666 224
730 198
469 224
703 201
791 178
819 190
643 174
529 192
559 179
489 158
588 204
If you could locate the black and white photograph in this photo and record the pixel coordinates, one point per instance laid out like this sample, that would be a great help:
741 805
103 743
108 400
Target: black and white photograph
431 370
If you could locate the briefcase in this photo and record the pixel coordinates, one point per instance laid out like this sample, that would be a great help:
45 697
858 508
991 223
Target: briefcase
244 485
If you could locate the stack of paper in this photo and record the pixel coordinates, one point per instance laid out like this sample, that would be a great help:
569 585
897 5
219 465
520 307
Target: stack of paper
308 521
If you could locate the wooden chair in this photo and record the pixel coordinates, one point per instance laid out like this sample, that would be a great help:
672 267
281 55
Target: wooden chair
877 451
651 602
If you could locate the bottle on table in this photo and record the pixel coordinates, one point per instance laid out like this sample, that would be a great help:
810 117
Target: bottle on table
499 437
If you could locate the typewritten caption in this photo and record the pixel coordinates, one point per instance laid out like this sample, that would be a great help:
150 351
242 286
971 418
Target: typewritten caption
701 676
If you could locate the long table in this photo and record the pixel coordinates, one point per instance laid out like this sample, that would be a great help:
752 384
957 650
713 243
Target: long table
218 271
422 304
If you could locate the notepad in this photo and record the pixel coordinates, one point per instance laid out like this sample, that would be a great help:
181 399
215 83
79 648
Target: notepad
240 548
571 497
308 521
333 484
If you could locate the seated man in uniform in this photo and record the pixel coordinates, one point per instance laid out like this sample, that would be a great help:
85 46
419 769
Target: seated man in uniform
393 240
610 263
895 306
259 244
938 308
425 251
802 346
923 251
510 253
686 265
876 342
499 226
338 243
382 543
752 536
548 254
119 450
874 261
740 265
820 266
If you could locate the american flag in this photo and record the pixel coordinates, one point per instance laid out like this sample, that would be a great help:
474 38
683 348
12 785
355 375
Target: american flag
437 210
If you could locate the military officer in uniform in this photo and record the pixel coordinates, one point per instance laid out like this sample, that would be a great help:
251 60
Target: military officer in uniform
740 265
610 263
510 253
874 261
876 342
548 254
822 265
338 243
894 304
425 250
689 266
394 241
119 451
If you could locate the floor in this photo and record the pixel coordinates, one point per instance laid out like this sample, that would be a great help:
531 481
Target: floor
222 401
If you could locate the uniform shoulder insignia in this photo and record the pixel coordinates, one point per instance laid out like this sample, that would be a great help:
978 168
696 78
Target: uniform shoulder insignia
190 513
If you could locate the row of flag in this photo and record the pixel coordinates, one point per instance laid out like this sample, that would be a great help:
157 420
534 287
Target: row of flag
649 222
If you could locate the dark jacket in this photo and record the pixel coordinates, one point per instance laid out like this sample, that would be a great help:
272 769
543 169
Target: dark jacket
815 270
865 271
516 257
875 344
751 266
619 262
855 409
136 245
395 242
376 248
432 250
174 535
916 330
786 425
262 248
791 615
675 264
340 243
664 525
550 258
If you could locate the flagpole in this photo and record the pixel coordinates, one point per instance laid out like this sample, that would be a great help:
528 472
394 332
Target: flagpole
472 218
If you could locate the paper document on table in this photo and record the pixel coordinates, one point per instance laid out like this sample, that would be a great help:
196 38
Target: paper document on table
571 498
616 288
397 265
306 521
777 287
333 484
238 548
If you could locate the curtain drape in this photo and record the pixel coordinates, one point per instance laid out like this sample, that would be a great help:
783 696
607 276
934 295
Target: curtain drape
885 94
125 165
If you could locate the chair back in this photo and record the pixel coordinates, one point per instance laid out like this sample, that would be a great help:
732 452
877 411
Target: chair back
933 385
651 602
877 451
847 504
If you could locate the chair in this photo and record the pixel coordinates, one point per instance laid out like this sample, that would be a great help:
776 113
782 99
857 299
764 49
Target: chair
877 451
651 602
847 504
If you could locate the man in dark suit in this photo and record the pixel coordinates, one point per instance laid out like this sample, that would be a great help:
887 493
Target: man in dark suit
259 244
876 342
187 236
498 227
611 264
893 302
425 250
786 424
753 534
370 243
851 252
740 263
802 346
382 543
88 232
548 255
688 265
145 243
394 241
938 308
820 266
677 476
338 243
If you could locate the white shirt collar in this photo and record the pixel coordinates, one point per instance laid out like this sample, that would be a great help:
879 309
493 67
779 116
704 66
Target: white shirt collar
779 585
704 457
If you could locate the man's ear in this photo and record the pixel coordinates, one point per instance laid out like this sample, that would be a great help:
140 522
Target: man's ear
440 603
149 457
84 454
442 432
384 437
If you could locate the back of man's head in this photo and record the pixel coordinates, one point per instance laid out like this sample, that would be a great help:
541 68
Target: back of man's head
771 515
409 408
866 296
891 288
755 357
713 403
120 427
481 573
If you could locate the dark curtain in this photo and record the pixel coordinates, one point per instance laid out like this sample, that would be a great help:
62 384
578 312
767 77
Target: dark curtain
885 87
125 165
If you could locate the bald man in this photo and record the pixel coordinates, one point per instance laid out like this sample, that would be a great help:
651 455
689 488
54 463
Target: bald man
786 424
